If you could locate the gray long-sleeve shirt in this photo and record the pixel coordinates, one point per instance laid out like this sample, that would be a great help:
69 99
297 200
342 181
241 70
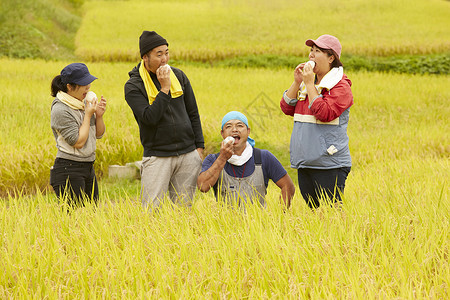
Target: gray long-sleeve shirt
66 123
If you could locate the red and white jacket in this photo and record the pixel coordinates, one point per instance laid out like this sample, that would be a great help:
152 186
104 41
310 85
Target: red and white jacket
319 139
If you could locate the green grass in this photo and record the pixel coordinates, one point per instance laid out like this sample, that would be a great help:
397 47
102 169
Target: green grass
39 28
409 64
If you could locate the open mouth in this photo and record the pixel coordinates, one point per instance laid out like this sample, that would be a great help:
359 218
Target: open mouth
237 138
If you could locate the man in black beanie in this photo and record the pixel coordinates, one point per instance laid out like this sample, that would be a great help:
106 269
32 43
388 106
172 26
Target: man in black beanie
165 109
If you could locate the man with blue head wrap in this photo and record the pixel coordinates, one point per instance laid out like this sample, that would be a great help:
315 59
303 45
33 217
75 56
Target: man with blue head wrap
240 173
235 115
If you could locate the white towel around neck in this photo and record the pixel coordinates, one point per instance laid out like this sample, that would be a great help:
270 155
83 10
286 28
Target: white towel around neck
239 160
328 82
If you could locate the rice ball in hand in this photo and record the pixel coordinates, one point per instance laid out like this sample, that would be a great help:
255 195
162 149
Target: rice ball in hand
166 67
311 63
228 139
90 97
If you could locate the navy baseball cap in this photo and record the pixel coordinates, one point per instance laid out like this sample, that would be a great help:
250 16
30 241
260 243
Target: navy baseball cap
76 73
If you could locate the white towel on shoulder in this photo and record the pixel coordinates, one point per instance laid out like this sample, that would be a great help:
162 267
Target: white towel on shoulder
328 82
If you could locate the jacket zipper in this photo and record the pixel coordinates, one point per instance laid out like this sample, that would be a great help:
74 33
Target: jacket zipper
173 122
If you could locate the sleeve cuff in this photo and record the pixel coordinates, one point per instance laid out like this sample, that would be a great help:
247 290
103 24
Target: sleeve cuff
314 99
288 100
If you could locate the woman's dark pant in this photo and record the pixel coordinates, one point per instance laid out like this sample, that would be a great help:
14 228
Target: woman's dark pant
317 185
74 180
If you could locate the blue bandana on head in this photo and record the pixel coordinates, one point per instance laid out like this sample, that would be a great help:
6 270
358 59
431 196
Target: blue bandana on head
235 115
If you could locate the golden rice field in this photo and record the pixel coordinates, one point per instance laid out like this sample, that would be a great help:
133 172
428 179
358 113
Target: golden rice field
391 247
217 29
390 120
390 240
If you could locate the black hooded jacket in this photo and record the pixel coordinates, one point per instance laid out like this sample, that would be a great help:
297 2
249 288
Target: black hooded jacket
169 126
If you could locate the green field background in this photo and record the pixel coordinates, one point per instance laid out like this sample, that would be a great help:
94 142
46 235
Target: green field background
391 238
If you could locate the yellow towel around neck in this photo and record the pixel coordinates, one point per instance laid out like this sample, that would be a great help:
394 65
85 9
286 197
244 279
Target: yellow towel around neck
175 86
70 101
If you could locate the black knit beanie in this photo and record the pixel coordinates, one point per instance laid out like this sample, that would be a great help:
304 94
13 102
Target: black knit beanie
149 40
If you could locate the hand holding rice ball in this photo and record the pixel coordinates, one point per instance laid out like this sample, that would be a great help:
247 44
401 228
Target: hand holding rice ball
311 63
166 67
228 139
90 97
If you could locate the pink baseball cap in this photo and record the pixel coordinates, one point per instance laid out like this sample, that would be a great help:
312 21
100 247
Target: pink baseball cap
326 41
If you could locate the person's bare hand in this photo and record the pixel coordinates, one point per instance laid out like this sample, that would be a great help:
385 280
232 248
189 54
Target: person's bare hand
308 74
200 152
90 107
226 150
298 75
101 107
163 75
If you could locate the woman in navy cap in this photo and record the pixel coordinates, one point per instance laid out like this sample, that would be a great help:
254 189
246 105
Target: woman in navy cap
319 99
76 121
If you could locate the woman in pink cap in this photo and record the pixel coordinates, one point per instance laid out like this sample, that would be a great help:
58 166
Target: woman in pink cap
319 99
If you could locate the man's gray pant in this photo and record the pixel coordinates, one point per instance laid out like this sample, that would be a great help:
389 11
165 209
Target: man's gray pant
173 175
